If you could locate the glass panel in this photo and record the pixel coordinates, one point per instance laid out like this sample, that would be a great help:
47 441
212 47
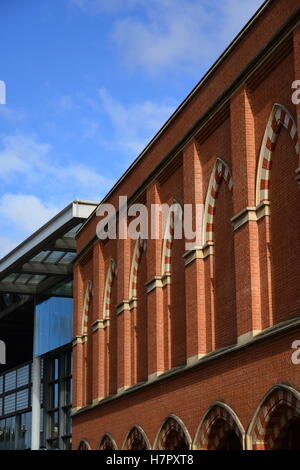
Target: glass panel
10 403
53 444
22 400
54 424
23 376
67 423
53 324
55 369
67 443
10 380
1 384
53 395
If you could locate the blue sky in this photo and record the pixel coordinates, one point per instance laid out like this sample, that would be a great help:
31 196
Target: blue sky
89 82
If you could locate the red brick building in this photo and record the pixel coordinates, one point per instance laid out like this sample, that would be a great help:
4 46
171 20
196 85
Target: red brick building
177 349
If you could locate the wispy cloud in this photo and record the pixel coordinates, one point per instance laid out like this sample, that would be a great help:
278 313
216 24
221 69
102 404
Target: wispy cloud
112 6
35 185
160 35
25 156
25 212
175 34
134 124
10 114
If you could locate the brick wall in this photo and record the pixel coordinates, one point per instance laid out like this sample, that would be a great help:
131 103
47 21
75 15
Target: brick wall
242 282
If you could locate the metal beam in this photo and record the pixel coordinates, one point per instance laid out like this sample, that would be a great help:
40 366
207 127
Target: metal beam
46 268
9 287
64 244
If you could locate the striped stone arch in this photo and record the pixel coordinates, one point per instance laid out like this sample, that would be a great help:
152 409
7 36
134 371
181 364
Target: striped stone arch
221 171
136 439
173 435
84 445
140 247
86 306
219 420
107 443
279 117
111 272
279 407
174 212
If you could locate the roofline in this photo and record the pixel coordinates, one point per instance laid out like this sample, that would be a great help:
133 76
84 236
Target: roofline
200 84
75 211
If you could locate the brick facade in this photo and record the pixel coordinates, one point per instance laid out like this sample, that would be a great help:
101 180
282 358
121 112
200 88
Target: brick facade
179 349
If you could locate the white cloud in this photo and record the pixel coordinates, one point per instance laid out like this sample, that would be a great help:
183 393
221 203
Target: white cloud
21 154
7 244
11 114
26 156
25 212
172 33
136 123
111 6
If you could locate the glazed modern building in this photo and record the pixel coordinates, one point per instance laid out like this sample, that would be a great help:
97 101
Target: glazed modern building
36 316
177 349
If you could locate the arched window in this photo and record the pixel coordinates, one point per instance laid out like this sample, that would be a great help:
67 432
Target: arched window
84 445
107 443
172 435
136 440
276 423
220 429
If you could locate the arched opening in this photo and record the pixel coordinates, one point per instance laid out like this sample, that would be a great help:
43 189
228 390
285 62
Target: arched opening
172 436
276 425
276 189
220 429
107 443
136 440
283 433
174 287
138 301
84 445
218 232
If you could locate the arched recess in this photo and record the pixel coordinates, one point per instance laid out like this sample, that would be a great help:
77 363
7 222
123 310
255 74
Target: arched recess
277 197
140 247
220 429
173 435
218 239
173 281
110 331
107 442
84 445
86 347
111 272
276 422
280 117
221 171
138 313
86 306
136 439
174 214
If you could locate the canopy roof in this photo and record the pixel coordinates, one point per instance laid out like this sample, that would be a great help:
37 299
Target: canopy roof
42 264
